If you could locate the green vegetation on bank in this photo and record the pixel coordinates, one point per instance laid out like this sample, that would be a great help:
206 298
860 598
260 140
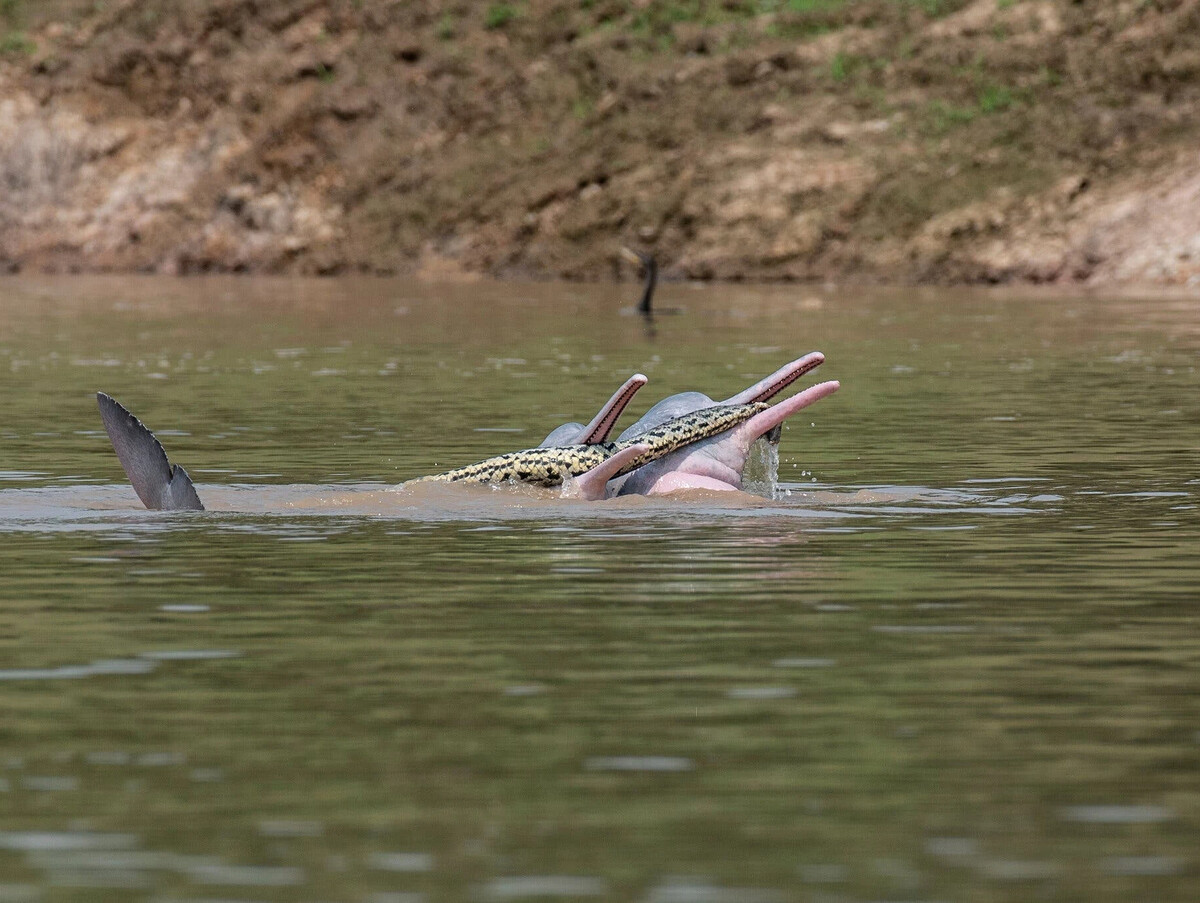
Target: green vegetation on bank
12 40
499 14
738 138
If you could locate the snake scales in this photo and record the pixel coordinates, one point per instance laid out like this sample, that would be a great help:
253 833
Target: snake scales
551 466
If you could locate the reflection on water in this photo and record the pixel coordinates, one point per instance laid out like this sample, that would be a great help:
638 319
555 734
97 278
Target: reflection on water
950 655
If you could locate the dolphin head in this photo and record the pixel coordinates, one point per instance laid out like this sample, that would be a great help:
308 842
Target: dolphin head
597 431
685 402
718 462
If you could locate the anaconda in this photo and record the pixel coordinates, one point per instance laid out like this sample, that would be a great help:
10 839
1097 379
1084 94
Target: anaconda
551 466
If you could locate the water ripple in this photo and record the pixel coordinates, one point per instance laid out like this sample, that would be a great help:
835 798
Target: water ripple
638 763
1117 814
518 887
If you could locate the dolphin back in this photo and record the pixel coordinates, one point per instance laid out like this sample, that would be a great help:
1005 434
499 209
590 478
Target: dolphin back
567 434
160 485
670 408
688 429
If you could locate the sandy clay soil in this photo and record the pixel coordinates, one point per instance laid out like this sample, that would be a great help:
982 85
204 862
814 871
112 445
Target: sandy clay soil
851 140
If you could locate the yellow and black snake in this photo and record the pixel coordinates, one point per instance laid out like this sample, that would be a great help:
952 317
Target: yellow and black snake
551 466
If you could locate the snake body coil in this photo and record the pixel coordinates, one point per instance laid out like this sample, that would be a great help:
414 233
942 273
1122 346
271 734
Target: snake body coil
551 466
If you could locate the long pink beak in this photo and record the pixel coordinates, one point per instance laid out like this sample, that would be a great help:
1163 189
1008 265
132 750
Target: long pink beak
761 424
593 484
597 431
778 381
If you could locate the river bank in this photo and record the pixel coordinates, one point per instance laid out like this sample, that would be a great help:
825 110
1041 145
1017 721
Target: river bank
935 141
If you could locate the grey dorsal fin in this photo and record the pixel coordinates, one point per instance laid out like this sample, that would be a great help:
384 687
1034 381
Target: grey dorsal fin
160 485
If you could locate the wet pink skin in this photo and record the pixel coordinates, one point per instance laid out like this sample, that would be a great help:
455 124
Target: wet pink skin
593 485
717 463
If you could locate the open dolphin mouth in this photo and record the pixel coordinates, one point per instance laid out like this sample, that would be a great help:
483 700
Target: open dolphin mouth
718 461
772 385
602 424
763 390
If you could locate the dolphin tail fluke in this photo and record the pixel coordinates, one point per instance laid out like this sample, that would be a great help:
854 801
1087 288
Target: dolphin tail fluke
181 493
160 485
592 485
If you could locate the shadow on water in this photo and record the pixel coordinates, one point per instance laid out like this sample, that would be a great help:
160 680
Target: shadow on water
953 656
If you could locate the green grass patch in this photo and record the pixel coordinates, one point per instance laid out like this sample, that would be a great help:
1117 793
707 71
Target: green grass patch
935 9
659 16
499 15
844 66
840 66
814 6
942 117
29 15
990 99
16 43
802 19
582 107
995 98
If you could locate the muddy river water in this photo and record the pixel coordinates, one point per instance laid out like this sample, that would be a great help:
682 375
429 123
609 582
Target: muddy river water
956 656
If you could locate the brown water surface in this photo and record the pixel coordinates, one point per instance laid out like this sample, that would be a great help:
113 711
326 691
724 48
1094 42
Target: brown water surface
955 657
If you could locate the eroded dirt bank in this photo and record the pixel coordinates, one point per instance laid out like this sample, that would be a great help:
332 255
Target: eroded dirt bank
873 140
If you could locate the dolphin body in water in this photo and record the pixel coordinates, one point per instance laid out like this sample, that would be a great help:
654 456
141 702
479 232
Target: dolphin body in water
162 485
717 462
673 406
714 462
593 465
685 441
